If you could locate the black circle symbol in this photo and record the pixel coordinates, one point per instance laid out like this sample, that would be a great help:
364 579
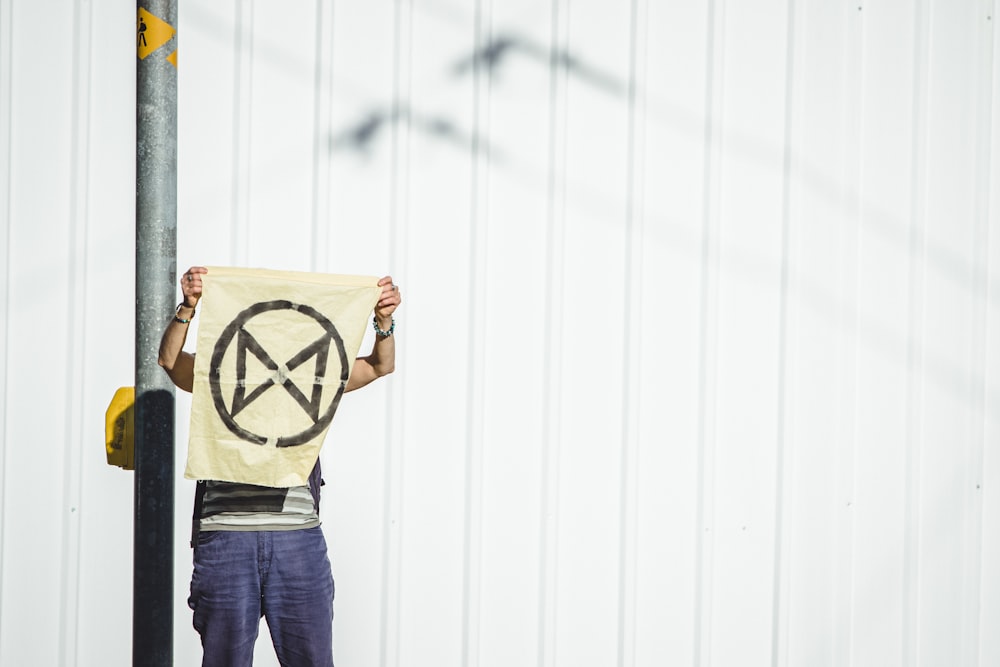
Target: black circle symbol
247 343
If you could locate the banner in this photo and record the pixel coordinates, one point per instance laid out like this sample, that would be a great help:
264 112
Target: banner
274 352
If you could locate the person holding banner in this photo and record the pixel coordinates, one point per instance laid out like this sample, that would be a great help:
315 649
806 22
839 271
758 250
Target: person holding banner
259 551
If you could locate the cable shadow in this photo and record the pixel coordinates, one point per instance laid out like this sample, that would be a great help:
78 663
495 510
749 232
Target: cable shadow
361 136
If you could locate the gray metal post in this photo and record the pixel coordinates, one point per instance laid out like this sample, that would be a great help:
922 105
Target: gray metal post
155 274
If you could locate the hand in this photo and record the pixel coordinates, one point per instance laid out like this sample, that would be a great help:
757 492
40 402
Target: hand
191 285
387 303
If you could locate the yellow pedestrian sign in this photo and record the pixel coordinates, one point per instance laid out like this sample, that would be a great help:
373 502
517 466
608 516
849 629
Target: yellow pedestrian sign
152 32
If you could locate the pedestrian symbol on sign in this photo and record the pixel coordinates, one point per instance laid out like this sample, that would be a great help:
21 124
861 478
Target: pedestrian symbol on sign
151 32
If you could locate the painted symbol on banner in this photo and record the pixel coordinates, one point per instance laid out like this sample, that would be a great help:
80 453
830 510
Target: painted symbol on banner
245 377
151 33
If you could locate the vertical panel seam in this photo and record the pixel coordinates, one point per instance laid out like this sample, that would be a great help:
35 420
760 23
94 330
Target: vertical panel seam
6 154
852 284
549 520
704 537
322 96
242 131
781 561
478 257
979 352
913 450
76 335
390 620
630 407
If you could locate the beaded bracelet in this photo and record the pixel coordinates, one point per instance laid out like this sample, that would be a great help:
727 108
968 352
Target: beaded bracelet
384 334
177 313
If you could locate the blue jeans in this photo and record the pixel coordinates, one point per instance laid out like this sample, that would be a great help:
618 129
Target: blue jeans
283 576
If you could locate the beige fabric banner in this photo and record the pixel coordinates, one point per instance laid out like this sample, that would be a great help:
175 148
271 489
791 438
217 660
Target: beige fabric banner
274 351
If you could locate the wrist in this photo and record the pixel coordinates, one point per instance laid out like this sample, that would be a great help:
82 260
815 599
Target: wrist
184 313
384 326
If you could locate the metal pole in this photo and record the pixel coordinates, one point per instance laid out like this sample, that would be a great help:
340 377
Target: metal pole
155 273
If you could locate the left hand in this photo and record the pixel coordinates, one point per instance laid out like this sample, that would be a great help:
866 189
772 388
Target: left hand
387 303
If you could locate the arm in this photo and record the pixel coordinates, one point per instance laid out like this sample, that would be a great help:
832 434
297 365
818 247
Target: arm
382 359
179 364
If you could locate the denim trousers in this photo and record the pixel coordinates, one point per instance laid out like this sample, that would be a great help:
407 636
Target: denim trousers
283 576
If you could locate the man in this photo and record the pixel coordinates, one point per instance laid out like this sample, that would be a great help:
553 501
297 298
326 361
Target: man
260 551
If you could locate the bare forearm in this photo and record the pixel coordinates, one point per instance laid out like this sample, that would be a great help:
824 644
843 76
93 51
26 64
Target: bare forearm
379 363
172 342
179 364
382 359
383 354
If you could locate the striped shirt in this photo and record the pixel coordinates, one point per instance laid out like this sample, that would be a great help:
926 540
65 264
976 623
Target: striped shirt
228 506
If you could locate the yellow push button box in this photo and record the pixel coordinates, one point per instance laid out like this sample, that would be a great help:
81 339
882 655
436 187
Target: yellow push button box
119 429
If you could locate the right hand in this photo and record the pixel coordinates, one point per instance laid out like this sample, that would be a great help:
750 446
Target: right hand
191 285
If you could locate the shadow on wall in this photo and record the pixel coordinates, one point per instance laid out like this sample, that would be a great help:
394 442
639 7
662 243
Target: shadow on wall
502 47
498 54
360 135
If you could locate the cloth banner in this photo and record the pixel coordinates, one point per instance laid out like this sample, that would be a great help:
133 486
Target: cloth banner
274 352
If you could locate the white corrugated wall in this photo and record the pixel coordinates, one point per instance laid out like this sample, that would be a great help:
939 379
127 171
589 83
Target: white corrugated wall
698 357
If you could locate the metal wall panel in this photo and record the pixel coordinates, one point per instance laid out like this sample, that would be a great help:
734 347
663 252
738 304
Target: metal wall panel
815 547
45 230
696 361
